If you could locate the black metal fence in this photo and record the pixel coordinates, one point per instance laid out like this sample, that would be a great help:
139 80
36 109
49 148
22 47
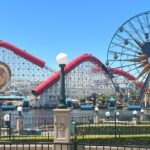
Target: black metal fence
85 128
111 130
63 146
37 127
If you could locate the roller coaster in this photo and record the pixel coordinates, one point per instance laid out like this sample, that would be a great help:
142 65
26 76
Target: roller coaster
127 67
84 75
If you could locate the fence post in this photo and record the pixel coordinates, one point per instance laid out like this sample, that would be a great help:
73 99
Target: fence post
96 120
19 123
10 126
115 124
62 126
75 136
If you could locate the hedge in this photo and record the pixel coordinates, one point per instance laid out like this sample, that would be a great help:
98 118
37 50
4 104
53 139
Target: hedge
92 129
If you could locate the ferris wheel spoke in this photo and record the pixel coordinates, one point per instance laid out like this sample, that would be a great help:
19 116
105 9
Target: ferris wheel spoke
135 40
139 59
123 54
144 77
135 30
130 70
145 70
147 21
140 23
118 60
124 47
128 65
138 48
143 65
138 43
142 93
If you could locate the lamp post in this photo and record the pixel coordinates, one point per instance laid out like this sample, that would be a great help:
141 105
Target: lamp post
19 120
117 115
116 119
62 60
92 100
134 113
96 120
107 114
96 109
134 119
142 114
19 109
142 111
7 120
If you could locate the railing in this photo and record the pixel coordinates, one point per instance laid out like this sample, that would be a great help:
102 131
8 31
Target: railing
63 146
111 130
85 128
37 127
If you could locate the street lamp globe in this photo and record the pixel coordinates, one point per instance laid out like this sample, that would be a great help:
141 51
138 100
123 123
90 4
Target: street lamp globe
7 120
19 109
6 117
96 109
62 59
117 113
134 113
107 114
142 111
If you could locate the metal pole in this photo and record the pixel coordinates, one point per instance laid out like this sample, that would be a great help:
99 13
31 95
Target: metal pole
62 100
115 124
9 125
0 121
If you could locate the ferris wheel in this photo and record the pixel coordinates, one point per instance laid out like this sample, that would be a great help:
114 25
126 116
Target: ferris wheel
129 50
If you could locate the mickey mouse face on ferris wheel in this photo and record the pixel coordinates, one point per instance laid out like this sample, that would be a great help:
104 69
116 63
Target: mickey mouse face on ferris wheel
5 74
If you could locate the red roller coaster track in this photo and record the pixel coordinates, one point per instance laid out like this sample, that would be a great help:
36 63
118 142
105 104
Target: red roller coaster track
83 58
22 53
54 78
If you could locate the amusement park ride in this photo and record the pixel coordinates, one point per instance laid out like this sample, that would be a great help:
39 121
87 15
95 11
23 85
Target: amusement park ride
127 68
129 50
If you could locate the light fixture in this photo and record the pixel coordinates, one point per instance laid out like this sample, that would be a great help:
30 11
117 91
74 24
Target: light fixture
19 109
96 109
7 120
142 111
134 113
62 60
117 113
107 114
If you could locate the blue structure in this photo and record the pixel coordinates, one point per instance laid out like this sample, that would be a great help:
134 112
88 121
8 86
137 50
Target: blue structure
87 107
6 101
26 102
112 103
69 101
138 107
8 107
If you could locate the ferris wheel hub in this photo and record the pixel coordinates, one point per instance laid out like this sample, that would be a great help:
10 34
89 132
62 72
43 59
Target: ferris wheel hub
146 49
149 60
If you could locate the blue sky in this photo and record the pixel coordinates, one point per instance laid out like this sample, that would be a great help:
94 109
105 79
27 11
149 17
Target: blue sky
46 27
